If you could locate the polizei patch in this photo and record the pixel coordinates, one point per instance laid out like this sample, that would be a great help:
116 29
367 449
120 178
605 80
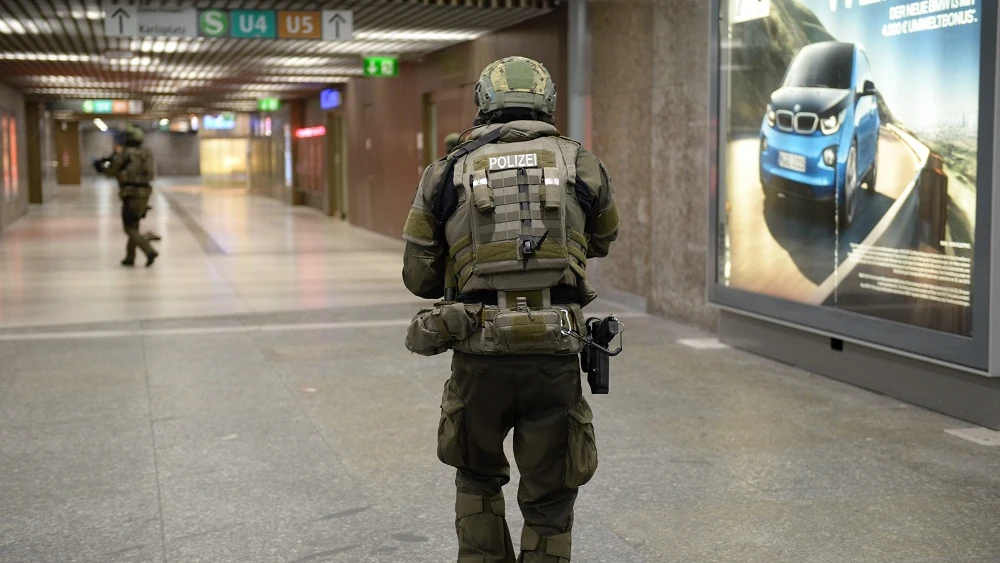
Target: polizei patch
503 162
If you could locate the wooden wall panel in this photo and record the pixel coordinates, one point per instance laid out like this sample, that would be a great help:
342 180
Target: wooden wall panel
385 116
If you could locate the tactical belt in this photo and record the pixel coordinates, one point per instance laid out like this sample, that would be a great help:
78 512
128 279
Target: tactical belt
558 295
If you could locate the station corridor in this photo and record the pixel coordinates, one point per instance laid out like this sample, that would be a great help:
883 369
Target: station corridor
249 399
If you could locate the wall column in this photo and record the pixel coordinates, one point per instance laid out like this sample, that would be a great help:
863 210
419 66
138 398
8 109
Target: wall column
577 70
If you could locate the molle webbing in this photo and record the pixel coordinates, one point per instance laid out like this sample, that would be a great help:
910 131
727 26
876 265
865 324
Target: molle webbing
518 221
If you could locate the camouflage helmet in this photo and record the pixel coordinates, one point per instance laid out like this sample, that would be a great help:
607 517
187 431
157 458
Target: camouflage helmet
129 134
516 82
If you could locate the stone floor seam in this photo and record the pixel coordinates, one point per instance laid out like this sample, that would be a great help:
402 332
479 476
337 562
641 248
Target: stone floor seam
156 461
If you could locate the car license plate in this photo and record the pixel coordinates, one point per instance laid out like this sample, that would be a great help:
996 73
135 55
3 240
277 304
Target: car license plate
790 161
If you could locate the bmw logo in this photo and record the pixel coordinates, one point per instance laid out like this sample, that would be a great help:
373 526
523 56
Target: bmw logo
797 108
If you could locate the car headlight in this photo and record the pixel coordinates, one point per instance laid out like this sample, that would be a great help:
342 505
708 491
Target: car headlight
771 117
830 156
831 124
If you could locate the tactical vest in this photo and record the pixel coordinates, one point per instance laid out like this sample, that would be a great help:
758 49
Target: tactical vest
518 229
518 226
138 170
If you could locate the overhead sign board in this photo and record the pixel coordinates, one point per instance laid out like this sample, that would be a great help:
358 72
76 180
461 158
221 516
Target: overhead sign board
338 25
381 66
300 25
121 107
98 106
121 18
268 104
253 24
329 99
213 23
168 23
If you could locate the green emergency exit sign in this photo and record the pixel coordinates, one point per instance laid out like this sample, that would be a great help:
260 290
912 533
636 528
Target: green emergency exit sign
268 104
381 66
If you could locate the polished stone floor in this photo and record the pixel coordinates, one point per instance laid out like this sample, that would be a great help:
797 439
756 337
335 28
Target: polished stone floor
248 399
222 253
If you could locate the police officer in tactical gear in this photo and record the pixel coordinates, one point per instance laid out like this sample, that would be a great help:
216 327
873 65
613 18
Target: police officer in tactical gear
500 231
132 166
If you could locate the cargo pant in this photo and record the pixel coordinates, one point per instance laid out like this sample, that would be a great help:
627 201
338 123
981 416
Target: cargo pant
133 210
540 398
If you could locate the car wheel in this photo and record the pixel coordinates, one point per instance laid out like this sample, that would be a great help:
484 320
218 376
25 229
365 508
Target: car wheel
848 204
873 172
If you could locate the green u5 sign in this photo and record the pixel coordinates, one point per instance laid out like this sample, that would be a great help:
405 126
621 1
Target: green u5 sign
213 23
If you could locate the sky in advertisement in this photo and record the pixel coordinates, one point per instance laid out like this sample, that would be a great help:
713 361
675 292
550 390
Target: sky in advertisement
927 78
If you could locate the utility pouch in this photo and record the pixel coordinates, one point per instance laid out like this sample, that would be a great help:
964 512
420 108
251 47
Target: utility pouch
433 330
538 331
482 193
552 189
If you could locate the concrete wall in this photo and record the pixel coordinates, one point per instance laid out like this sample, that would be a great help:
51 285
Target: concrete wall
14 204
651 127
175 154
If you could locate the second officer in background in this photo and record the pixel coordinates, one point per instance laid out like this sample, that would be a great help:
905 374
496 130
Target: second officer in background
132 166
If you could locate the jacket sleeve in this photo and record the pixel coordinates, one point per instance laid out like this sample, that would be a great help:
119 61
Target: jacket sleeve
426 248
602 217
116 165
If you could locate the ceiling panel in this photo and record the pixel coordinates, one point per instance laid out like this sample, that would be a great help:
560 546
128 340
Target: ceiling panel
56 49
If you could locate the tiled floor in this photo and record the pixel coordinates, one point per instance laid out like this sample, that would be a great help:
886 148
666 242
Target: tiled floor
60 264
249 400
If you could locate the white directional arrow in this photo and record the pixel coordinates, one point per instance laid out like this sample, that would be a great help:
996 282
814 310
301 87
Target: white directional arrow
121 18
338 25
372 68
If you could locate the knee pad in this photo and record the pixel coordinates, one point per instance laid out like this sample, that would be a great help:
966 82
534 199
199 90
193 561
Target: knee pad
551 549
482 530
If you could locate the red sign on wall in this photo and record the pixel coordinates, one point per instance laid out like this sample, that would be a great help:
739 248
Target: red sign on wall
309 132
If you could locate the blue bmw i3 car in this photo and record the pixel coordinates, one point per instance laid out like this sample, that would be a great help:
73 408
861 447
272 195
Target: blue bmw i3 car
819 135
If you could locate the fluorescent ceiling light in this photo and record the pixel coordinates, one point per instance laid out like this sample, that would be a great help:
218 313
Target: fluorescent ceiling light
304 79
118 54
14 26
164 122
295 61
134 61
416 35
44 57
268 87
79 14
343 70
100 124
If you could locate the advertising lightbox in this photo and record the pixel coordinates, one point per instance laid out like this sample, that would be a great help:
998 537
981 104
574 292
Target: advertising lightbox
854 169
329 99
221 122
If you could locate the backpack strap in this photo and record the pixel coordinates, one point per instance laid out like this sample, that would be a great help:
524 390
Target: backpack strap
446 199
